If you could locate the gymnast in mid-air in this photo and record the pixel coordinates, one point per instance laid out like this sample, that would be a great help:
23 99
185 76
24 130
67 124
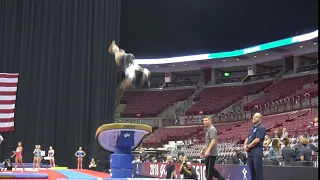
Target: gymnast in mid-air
136 76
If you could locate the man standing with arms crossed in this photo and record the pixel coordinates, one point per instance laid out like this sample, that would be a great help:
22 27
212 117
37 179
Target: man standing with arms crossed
210 151
253 145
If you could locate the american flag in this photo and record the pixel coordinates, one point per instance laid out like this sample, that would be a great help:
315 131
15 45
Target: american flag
8 91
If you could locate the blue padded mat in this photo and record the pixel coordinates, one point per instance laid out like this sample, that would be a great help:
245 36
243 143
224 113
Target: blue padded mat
70 174
23 175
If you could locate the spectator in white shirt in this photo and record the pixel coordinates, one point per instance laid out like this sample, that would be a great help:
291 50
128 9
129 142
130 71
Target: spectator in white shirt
284 133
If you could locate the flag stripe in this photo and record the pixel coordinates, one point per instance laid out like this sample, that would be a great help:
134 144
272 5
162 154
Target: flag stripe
7 101
7 120
7 129
6 106
7 97
6 115
5 111
9 80
8 91
6 124
5 83
9 75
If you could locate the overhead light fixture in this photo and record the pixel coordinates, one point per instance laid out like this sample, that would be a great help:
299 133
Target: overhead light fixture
314 43
185 64
266 54
301 46
224 60
172 64
237 59
254 56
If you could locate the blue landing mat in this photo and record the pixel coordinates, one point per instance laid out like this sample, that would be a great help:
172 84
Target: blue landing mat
22 175
70 174
28 165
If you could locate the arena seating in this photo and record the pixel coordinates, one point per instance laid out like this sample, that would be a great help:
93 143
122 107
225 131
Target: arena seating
162 135
284 88
214 99
296 122
151 103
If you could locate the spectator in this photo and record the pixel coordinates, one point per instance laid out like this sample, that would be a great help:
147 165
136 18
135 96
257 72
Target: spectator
92 164
188 171
276 133
7 165
240 157
170 168
266 141
274 152
180 159
143 155
154 159
315 122
305 152
288 153
298 146
284 133
184 159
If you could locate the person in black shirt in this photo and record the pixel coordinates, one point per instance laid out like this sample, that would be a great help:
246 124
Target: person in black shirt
7 165
298 146
188 171
287 152
170 168
240 157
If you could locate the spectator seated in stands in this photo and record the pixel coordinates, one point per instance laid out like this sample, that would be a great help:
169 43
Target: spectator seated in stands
284 133
287 152
188 171
298 146
274 152
92 165
314 123
240 157
305 152
276 134
267 141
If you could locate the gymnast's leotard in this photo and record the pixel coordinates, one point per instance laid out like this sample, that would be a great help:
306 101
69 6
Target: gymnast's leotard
80 154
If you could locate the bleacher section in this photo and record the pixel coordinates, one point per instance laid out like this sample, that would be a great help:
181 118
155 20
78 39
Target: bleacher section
286 87
296 122
214 99
151 103
163 135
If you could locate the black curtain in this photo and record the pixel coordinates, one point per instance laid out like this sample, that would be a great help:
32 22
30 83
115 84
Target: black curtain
67 80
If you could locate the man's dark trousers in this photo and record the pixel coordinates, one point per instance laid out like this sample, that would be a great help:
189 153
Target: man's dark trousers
256 167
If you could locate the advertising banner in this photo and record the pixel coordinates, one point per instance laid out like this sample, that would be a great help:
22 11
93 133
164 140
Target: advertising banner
158 170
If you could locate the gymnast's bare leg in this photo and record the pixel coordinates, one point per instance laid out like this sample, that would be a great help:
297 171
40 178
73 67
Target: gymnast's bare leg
119 55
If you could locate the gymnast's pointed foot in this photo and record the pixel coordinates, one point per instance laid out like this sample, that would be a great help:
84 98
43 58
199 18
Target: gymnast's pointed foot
113 48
